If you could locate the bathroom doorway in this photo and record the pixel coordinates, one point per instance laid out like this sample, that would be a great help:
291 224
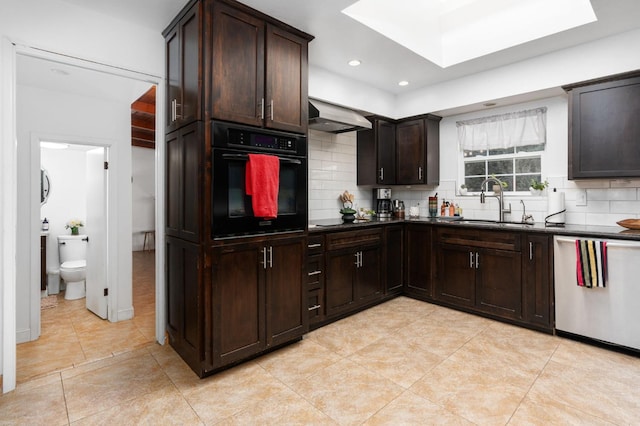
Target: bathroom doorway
61 114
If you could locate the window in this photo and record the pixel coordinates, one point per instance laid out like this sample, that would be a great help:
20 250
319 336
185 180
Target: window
508 146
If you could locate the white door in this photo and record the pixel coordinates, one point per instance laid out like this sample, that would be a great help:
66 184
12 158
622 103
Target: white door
96 229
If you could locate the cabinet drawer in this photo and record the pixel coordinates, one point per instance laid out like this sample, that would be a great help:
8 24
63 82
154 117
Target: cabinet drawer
340 240
316 305
315 244
479 238
315 273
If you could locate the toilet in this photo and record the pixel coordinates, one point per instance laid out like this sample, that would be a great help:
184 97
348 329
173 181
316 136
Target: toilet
73 264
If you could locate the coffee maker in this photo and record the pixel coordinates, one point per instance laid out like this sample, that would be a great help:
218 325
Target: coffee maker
382 201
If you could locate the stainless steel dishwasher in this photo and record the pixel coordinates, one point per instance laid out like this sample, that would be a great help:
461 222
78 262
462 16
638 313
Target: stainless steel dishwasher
610 314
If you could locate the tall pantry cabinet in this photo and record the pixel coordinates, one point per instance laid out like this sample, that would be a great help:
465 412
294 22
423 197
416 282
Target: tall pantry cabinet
226 61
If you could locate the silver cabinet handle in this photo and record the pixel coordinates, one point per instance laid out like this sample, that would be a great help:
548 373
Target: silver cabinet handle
357 259
381 174
420 173
314 273
264 258
314 307
262 109
477 260
361 263
531 250
270 257
174 110
471 260
271 109
314 245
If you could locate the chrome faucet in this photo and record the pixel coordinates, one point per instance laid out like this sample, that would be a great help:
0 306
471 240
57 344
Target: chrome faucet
499 195
526 218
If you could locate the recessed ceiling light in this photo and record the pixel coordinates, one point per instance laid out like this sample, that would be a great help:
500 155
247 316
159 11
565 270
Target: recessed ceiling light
53 145
59 71
354 62
403 83
448 32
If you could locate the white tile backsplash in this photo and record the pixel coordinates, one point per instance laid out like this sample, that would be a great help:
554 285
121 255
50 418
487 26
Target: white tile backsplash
332 169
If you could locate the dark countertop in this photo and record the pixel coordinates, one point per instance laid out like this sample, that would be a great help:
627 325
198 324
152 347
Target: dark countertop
589 231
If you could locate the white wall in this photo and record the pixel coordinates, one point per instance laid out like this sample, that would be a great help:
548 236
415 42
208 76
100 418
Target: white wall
143 194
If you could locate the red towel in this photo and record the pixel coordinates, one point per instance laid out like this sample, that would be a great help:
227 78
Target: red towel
262 183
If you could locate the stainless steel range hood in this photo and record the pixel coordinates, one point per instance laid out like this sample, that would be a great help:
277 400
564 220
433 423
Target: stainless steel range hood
334 119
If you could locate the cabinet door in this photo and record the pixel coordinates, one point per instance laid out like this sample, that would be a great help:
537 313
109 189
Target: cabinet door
339 287
604 129
286 292
286 102
184 182
456 275
184 323
238 66
183 45
537 258
410 149
239 300
393 263
499 283
419 261
368 285
386 152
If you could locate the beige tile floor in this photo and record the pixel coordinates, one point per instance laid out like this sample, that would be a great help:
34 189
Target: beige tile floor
401 363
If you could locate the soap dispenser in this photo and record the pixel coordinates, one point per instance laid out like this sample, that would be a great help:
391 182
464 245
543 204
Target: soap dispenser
45 224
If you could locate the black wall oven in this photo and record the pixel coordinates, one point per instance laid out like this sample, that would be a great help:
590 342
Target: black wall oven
231 209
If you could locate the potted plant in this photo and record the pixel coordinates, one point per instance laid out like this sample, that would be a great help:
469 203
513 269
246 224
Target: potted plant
497 188
537 188
463 189
74 225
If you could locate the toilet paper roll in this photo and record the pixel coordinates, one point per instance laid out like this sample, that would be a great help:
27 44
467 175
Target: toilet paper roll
556 209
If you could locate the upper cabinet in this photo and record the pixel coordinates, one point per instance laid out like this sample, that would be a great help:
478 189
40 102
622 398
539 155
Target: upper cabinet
377 154
259 71
183 46
604 129
403 153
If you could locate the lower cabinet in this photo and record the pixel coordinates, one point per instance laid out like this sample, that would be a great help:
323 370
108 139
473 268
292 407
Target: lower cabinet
506 275
393 263
235 300
258 297
353 270
315 279
419 261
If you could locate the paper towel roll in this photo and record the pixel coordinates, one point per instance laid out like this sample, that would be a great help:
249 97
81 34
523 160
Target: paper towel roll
555 210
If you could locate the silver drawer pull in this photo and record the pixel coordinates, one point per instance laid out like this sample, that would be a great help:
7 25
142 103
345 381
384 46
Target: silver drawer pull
314 245
313 308
314 273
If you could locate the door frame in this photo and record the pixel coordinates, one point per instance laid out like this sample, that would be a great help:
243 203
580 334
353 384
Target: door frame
8 184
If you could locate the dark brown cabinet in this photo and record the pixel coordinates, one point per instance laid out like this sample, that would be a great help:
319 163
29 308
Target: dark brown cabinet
184 177
376 162
480 270
185 307
604 130
183 54
418 151
258 297
393 263
315 279
259 71
419 261
537 266
43 262
403 153
353 272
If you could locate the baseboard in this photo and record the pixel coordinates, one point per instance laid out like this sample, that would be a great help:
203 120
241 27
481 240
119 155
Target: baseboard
23 336
125 314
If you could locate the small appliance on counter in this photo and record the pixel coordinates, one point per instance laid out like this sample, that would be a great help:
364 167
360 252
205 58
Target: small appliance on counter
382 201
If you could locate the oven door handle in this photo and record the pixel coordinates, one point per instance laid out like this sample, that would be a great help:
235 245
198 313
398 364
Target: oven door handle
245 157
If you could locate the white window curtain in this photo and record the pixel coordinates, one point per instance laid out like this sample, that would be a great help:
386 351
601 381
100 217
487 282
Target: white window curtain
504 131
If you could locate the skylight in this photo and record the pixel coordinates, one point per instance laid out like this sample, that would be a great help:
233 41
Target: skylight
448 32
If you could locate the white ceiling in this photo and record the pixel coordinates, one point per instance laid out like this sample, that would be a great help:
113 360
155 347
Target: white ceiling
339 38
